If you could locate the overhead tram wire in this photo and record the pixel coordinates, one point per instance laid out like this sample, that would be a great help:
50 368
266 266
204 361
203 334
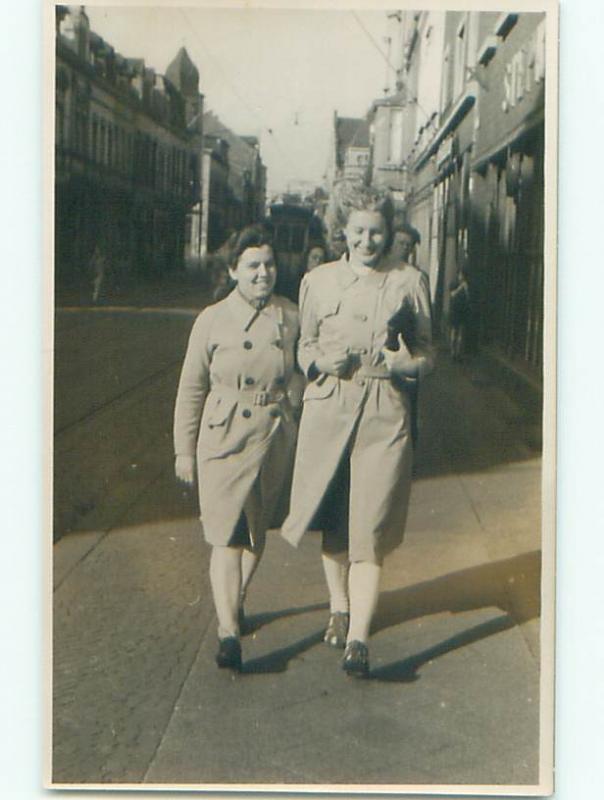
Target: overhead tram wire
384 56
235 91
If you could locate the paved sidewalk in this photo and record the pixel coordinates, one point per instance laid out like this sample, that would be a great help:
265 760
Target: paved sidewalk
453 696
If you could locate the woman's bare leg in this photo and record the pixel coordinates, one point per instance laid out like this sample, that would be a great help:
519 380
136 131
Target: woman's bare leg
335 567
363 590
225 578
250 559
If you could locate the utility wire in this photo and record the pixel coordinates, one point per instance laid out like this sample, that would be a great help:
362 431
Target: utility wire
373 42
235 91
385 57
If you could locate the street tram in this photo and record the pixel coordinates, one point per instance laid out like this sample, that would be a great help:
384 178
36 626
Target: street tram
295 228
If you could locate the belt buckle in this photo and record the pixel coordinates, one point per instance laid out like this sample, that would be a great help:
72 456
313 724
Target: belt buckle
261 399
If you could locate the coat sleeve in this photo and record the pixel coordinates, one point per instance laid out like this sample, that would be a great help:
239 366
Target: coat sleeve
193 386
424 351
308 346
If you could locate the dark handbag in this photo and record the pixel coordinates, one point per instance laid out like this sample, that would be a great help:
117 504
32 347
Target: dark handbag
403 322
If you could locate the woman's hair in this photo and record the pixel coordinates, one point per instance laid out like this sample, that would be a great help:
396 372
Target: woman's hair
404 227
355 196
255 235
311 246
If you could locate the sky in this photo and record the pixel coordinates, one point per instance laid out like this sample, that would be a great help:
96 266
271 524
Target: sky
263 70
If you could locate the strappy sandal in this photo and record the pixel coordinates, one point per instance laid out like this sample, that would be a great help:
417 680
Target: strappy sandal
337 629
356 660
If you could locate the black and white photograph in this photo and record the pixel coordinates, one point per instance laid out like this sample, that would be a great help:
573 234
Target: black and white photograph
301 340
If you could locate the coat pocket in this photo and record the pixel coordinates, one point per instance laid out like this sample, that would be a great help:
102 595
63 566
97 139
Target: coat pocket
320 389
219 412
329 308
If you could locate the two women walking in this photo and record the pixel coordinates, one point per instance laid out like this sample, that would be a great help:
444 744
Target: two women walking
353 458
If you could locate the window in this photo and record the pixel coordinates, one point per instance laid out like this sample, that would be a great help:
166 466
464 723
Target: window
461 57
94 142
445 94
102 144
395 153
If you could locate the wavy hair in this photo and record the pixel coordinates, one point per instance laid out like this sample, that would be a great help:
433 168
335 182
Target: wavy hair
356 196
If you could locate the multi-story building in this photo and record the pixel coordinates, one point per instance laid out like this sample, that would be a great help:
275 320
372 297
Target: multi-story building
349 160
462 138
127 156
235 192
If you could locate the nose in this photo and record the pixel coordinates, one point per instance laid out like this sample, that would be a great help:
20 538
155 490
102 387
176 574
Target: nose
262 270
366 238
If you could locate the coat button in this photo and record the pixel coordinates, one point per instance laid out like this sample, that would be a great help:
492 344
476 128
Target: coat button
247 344
361 382
362 317
249 381
246 413
279 344
280 380
363 351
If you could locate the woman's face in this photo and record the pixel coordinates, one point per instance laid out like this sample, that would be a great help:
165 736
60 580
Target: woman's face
256 273
404 244
316 256
366 237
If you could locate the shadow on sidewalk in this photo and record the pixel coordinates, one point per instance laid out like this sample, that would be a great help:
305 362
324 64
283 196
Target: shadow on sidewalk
254 622
405 671
278 660
512 585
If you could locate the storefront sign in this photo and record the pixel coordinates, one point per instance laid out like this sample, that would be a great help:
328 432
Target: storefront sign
525 70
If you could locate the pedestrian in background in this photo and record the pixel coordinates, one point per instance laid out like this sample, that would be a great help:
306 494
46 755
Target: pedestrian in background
98 266
406 240
403 254
459 312
314 255
234 425
353 462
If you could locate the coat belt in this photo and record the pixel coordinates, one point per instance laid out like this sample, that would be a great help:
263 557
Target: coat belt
379 371
250 396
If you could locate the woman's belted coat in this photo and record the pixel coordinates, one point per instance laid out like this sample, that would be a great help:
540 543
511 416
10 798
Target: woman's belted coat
363 416
234 413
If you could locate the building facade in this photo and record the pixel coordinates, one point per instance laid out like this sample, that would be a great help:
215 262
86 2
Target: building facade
462 138
127 157
235 190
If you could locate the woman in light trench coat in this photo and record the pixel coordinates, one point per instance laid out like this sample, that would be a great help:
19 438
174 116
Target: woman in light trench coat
353 462
234 426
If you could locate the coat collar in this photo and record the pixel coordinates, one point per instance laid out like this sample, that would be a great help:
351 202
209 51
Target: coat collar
347 276
245 314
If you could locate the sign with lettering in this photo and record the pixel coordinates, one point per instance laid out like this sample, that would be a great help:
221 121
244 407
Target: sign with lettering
525 70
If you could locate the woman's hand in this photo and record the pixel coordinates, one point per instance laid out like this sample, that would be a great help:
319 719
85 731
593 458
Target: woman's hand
184 467
335 362
400 362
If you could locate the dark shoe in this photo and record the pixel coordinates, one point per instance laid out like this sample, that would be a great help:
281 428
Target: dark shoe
337 629
356 660
229 654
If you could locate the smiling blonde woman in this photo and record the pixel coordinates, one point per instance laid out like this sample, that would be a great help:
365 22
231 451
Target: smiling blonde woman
352 471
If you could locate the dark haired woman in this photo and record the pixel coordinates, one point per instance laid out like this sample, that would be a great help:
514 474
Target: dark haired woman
314 255
352 472
234 425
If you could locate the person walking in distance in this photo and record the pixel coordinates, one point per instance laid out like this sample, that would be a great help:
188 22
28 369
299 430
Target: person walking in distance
234 425
352 470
